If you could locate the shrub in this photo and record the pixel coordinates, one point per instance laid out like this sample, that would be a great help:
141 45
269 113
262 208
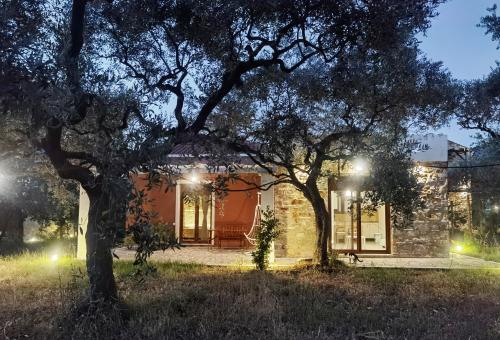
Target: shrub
266 234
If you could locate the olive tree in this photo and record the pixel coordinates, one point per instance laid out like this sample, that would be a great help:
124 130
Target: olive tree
118 84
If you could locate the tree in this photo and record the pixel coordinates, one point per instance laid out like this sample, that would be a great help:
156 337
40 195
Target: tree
123 82
359 108
480 109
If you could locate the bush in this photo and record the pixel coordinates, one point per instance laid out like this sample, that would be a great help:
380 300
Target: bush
266 234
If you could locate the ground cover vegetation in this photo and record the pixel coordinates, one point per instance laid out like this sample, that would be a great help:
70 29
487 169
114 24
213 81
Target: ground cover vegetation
193 301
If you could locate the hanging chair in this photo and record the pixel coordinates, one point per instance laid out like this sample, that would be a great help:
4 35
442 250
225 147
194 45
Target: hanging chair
252 234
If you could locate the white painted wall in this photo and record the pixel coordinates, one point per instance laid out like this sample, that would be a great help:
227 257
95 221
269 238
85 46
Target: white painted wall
83 217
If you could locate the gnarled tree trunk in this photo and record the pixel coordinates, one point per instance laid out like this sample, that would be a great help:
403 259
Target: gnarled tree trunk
322 220
99 240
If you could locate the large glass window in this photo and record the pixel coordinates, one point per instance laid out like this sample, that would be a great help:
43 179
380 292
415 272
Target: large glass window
356 227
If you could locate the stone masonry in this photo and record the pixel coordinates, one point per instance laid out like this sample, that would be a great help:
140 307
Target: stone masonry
298 236
428 234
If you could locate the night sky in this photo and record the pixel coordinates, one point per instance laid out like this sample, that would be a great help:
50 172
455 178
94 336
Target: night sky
463 47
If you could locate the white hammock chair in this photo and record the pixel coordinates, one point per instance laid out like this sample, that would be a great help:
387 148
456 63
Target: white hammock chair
252 234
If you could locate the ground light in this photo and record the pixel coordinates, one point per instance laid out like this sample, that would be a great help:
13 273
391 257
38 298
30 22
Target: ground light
458 248
54 257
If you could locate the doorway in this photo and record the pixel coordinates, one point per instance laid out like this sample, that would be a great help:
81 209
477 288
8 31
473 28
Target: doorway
196 215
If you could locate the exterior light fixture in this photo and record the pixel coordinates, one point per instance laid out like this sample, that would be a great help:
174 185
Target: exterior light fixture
54 257
458 248
193 178
360 165
496 207
348 193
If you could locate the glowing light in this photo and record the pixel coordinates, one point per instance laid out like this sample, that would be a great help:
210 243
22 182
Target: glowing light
348 193
54 257
193 178
496 207
359 165
458 248
420 169
33 240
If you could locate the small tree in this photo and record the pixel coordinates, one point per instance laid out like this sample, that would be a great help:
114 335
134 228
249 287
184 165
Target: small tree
266 234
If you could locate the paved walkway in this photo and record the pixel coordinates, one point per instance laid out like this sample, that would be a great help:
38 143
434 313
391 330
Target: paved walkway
236 257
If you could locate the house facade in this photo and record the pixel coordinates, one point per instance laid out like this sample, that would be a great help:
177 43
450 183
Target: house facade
199 217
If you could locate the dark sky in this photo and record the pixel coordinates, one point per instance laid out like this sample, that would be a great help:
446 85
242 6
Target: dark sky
465 50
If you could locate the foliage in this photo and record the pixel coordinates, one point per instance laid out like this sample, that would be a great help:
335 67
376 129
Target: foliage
265 235
314 124
480 107
145 234
474 245
358 301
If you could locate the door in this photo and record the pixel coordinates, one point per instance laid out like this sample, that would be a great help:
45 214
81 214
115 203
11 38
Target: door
196 215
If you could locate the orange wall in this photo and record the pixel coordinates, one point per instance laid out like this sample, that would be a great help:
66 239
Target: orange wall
237 207
161 199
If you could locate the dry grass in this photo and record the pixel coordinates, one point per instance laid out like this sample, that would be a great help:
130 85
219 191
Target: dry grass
190 301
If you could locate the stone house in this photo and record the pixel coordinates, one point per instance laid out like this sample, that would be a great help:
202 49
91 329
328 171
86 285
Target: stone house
199 217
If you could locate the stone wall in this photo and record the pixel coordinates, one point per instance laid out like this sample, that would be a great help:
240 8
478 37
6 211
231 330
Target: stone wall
428 234
298 236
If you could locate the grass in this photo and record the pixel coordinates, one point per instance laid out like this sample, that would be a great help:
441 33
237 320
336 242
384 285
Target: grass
182 301
472 248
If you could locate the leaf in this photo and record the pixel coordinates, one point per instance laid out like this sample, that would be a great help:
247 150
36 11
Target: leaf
81 230
116 256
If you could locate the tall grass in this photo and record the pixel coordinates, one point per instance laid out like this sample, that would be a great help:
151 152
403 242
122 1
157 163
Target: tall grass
183 301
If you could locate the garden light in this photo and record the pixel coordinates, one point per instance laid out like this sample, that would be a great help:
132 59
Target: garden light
54 257
458 248
496 207
33 240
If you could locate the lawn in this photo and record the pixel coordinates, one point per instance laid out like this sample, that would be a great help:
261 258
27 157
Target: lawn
196 302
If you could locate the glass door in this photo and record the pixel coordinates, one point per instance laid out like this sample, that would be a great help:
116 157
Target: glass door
359 227
344 220
196 215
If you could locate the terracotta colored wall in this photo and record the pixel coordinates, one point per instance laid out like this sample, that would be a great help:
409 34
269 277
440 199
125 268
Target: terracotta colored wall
238 207
162 200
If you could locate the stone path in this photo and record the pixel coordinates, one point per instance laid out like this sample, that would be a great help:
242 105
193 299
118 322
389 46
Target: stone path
237 257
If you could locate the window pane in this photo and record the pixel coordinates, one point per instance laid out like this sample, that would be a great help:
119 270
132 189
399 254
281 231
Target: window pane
373 231
344 220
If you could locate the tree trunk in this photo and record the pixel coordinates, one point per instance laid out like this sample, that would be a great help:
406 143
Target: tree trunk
323 229
99 240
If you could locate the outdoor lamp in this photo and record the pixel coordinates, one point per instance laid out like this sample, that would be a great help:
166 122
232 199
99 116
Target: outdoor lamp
194 178
359 165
